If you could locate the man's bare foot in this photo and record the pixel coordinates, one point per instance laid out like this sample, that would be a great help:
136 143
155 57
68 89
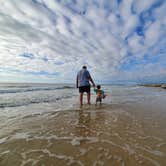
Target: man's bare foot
81 105
89 103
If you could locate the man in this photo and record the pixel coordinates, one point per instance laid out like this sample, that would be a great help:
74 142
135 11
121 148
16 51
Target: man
83 78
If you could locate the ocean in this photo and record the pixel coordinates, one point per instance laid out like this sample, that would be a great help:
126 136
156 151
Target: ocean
26 94
42 124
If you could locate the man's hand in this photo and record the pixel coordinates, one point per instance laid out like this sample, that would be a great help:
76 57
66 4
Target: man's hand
77 82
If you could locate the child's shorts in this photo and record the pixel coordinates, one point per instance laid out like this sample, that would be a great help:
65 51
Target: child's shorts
98 99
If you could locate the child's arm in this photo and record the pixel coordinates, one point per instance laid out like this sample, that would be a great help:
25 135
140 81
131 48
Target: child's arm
102 92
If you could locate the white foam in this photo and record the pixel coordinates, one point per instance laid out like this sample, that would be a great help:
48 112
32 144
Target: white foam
83 151
3 140
161 144
75 142
157 153
118 158
29 161
92 139
111 143
98 163
69 159
151 160
129 149
20 136
154 152
5 152
150 137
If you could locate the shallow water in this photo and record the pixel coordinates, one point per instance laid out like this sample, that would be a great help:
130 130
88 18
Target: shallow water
128 129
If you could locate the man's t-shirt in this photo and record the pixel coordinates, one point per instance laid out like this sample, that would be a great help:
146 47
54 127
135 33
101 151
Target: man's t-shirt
83 78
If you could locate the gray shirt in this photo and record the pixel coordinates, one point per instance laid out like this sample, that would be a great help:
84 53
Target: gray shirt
83 78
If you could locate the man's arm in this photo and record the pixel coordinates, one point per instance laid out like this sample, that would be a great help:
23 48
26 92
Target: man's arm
95 90
91 80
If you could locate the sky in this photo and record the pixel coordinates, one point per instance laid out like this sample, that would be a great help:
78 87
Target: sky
50 40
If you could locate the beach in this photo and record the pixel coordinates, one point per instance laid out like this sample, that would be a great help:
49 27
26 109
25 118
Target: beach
42 124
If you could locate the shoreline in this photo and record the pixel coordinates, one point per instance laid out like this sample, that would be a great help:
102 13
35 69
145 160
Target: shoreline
163 86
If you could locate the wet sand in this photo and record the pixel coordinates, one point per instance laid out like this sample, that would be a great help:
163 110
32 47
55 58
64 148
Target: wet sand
113 134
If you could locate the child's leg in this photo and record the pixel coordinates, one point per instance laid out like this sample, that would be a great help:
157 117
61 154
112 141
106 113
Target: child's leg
96 101
100 101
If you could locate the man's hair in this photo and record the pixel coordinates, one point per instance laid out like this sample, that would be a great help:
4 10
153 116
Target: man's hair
84 67
98 86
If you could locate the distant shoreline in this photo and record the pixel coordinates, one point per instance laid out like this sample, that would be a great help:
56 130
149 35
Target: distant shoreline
155 85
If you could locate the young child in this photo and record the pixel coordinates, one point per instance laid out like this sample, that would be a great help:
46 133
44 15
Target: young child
100 94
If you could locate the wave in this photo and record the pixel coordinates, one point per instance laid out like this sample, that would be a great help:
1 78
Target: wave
26 102
22 90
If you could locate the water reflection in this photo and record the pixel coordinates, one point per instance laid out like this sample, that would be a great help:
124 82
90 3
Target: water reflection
89 122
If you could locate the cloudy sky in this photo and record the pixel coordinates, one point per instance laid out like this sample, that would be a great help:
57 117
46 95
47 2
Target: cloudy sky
50 40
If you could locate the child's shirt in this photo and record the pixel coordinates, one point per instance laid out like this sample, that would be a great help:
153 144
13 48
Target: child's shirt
99 92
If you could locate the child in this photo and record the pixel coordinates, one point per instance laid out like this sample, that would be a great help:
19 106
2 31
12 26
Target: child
100 94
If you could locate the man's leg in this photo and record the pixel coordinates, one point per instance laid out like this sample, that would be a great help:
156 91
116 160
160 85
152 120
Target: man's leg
81 99
88 97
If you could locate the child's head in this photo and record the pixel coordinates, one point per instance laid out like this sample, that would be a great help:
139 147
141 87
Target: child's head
98 86
84 67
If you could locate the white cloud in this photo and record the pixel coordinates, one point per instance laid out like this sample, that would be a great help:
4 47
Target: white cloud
153 33
142 5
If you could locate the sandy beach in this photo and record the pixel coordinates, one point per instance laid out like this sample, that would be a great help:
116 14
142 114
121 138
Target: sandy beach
129 129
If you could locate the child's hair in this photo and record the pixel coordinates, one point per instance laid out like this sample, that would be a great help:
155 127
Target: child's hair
98 86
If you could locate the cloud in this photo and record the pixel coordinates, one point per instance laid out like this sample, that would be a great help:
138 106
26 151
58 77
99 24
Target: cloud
113 38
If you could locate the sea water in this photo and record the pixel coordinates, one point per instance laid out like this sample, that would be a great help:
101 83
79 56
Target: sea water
42 124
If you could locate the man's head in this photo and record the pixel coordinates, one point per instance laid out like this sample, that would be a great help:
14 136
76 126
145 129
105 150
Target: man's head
84 67
98 86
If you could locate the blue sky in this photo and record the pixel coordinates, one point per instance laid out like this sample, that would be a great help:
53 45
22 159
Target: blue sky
50 40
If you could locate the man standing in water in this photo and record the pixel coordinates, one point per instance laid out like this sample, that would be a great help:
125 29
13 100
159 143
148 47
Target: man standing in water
83 78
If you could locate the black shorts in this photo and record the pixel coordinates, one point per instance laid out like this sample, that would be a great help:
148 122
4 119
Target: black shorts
98 99
83 89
